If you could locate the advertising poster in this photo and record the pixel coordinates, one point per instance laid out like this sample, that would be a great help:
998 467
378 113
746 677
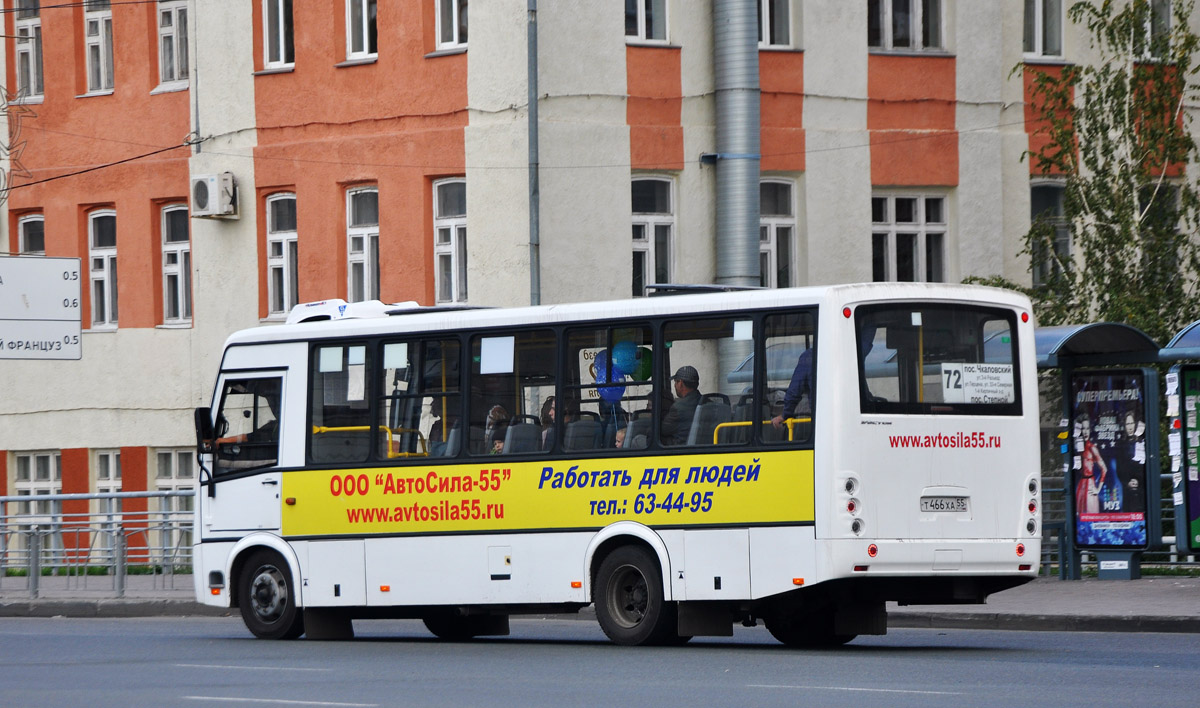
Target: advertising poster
1191 448
1108 459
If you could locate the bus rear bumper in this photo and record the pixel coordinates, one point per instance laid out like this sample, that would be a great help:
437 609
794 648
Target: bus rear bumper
850 558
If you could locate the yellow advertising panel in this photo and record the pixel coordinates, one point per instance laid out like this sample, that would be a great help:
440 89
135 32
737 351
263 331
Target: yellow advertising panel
492 494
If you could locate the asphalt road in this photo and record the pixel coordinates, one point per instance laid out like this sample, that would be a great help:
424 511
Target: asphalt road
200 661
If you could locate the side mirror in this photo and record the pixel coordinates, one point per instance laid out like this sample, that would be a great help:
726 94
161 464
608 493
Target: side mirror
204 431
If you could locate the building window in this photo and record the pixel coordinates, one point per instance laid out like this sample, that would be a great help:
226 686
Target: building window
646 20
653 233
1158 30
774 23
32 234
776 234
904 24
98 37
277 28
282 288
29 49
451 23
177 265
908 239
362 239
450 240
102 238
1043 28
175 473
39 474
172 41
360 29
1046 207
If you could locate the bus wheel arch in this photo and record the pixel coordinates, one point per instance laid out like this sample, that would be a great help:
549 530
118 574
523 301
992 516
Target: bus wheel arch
622 534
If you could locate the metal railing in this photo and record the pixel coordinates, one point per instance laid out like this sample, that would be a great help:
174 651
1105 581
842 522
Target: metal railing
94 549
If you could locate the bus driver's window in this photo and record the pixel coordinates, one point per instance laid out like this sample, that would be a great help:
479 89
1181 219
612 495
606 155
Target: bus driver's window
248 424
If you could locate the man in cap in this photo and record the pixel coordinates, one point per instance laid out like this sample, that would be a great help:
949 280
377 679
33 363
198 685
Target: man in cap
677 423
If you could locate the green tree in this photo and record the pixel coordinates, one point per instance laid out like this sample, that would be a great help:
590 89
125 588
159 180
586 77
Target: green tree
1118 135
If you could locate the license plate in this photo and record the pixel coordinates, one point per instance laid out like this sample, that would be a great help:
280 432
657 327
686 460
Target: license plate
944 503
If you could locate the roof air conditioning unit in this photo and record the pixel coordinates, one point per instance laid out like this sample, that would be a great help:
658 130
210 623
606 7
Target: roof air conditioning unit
214 195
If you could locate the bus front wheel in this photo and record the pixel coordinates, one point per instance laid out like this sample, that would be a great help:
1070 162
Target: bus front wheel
267 599
629 599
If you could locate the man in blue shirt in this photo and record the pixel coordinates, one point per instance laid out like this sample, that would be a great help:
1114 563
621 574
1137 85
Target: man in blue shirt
800 385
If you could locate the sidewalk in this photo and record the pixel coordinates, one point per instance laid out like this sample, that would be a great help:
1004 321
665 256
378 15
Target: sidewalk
1150 604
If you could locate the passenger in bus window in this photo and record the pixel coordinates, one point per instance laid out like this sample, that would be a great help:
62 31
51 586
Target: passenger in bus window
496 417
678 421
619 438
800 393
548 423
498 434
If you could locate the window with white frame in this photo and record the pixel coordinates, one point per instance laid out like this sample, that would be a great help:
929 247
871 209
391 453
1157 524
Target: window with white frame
362 241
908 238
177 265
1158 30
39 474
451 23
176 469
172 42
653 232
102 253
31 233
108 481
774 23
282 288
1046 209
1043 28
646 20
904 25
278 42
28 27
361 36
98 39
776 234
450 240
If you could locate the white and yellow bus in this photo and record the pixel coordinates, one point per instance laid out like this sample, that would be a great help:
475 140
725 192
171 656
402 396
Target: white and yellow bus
683 463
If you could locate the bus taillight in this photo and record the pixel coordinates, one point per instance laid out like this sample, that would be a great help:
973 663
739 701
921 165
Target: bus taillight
873 550
1020 549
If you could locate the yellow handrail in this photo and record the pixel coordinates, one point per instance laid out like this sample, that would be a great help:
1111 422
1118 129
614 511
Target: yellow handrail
743 423
318 429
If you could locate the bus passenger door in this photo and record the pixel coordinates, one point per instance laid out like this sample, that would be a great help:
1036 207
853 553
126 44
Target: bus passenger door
243 493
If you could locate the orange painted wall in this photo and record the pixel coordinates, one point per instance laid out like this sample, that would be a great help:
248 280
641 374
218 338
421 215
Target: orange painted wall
3 474
910 116
64 134
653 111
397 123
781 77
1033 112
134 478
76 476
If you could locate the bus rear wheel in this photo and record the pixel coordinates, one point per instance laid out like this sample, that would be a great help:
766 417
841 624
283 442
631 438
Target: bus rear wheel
629 599
812 630
267 599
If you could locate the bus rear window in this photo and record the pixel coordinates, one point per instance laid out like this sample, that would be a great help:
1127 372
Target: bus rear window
937 359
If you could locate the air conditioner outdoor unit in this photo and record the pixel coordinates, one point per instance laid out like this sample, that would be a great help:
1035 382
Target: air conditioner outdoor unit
214 195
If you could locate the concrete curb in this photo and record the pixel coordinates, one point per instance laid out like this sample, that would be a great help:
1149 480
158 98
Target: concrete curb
125 608
110 608
1043 623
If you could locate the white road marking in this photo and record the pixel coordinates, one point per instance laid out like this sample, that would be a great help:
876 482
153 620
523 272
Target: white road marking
278 701
245 668
865 690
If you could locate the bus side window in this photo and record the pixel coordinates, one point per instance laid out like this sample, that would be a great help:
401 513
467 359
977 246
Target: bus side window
419 401
511 378
786 414
608 386
703 356
341 423
247 432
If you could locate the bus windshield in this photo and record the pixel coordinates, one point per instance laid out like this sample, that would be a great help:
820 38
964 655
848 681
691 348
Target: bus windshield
921 359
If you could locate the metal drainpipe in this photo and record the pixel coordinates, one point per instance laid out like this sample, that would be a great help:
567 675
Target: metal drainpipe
735 73
535 198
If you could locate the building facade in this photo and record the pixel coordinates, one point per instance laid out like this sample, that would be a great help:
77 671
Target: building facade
347 148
